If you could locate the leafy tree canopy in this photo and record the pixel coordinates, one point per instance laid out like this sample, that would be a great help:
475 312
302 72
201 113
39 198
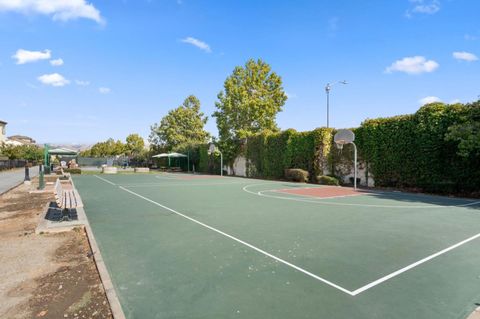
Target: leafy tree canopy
108 148
26 152
181 126
135 144
251 98
467 132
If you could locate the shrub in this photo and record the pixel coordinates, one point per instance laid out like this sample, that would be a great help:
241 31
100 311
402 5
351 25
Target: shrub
296 175
73 170
327 180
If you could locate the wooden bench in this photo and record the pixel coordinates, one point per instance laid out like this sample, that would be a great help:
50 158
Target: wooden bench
64 174
67 199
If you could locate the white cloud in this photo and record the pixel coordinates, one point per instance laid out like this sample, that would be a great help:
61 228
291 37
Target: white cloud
413 65
53 79
423 7
104 90
429 99
56 62
62 10
465 56
198 43
82 83
24 56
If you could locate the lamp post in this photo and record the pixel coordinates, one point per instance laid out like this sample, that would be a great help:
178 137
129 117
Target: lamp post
328 87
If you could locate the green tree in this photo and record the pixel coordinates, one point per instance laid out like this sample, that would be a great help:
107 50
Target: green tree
135 144
181 126
26 152
108 148
249 103
467 132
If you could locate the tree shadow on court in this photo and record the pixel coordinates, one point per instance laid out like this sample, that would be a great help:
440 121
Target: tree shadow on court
425 199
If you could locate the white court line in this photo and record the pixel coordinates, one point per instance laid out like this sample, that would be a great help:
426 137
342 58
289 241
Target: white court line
166 177
415 264
105 180
321 202
181 184
306 272
284 191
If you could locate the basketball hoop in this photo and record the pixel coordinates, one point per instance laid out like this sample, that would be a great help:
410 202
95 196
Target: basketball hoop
211 149
343 137
340 144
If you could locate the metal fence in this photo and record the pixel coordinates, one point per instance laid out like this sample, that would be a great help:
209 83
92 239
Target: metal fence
109 161
9 164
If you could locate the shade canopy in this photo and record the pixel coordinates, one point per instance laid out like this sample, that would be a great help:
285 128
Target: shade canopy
160 155
169 155
62 151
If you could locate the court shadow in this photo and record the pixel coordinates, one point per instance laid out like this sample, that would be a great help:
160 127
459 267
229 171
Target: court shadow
425 199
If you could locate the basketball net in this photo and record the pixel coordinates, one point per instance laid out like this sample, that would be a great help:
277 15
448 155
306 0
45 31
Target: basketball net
340 144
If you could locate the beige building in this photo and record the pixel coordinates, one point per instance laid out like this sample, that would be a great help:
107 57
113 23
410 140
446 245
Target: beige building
14 140
3 131
24 140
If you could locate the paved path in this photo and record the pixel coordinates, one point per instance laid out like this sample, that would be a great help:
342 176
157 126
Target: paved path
11 178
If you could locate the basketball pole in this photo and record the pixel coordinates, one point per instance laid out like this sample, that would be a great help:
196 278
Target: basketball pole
354 166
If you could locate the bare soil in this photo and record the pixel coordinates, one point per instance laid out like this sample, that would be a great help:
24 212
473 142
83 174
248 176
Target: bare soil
46 275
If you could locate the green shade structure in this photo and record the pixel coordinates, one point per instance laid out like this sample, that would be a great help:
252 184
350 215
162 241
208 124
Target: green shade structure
160 155
170 155
62 151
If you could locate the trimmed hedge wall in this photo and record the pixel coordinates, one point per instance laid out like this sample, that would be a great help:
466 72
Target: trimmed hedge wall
407 151
269 154
413 151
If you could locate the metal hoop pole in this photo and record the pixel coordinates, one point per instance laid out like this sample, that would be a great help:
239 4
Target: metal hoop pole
221 164
355 166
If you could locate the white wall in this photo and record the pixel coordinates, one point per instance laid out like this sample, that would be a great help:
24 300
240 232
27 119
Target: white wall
3 133
239 167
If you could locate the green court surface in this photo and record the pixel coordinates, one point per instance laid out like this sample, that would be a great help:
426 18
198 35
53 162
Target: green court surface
211 247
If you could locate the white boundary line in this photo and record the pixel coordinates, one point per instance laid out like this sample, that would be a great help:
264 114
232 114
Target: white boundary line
319 201
105 180
306 272
284 191
112 297
235 239
415 264
179 184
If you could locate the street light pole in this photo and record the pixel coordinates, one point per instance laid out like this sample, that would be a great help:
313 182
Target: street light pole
328 87
327 90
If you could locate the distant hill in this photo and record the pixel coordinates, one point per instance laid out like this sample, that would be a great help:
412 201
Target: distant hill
76 147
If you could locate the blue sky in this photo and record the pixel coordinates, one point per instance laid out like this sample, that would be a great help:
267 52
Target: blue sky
126 63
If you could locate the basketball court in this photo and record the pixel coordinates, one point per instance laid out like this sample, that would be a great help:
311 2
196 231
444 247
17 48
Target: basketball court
180 246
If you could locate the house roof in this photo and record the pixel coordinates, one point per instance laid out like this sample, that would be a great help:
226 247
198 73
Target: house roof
3 122
23 137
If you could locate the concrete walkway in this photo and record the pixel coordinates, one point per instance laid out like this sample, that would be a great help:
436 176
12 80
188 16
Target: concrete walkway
11 178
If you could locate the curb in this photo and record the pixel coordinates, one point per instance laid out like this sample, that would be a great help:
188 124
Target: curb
45 226
112 297
107 283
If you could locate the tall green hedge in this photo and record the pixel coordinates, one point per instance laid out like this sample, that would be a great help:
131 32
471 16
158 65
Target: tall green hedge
413 151
269 154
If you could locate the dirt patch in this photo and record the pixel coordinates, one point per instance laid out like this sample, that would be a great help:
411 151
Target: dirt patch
49 275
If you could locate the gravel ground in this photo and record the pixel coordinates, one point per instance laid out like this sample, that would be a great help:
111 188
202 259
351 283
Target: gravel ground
46 275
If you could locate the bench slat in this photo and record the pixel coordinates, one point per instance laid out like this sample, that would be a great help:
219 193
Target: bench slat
66 199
